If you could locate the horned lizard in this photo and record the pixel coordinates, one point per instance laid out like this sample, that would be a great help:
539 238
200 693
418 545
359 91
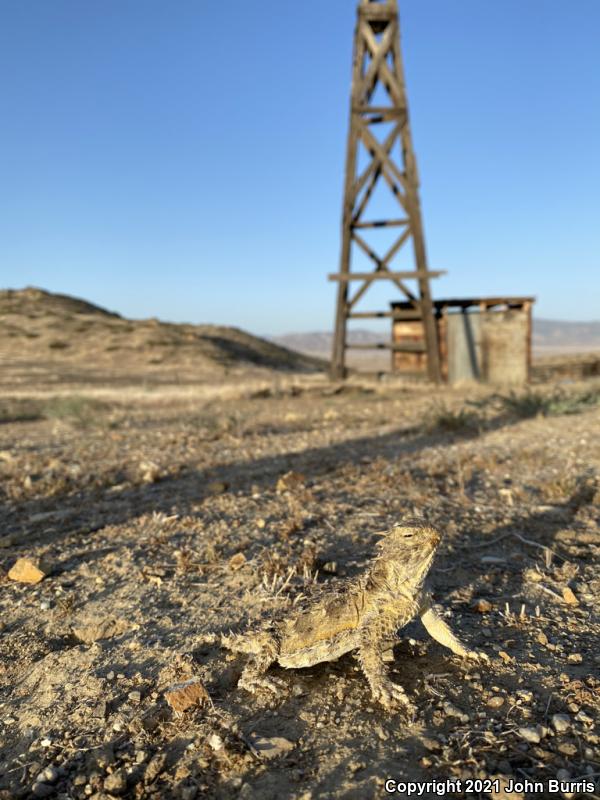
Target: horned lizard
360 614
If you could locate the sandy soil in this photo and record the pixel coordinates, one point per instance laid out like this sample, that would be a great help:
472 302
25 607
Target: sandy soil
142 500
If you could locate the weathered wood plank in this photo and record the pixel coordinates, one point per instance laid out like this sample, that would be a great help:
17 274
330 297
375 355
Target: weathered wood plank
383 275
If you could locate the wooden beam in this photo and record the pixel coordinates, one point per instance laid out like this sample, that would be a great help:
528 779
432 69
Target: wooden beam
383 275
401 347
397 315
381 223
371 76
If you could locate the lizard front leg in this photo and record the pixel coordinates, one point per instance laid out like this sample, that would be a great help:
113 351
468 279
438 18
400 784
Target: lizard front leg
374 636
441 632
265 649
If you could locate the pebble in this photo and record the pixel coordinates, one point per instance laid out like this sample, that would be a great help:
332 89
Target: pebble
155 767
135 696
215 742
431 744
48 775
583 717
28 570
495 702
531 735
237 561
567 748
569 596
116 783
270 747
561 722
46 742
182 696
217 487
525 695
453 711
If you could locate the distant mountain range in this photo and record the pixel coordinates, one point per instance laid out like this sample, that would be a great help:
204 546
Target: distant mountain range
549 336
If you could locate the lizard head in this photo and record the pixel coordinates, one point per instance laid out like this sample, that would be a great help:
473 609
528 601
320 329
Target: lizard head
411 545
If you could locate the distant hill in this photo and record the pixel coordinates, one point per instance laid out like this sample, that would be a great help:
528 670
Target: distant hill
549 336
320 342
556 336
63 335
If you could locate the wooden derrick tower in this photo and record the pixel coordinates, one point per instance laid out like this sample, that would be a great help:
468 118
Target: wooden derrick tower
377 70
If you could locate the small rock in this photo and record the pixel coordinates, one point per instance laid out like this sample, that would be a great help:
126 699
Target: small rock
150 471
381 734
542 638
431 744
453 711
495 702
567 748
105 629
482 605
116 783
270 747
581 716
48 775
46 742
356 766
289 482
575 658
215 742
525 695
561 722
531 735
330 567
569 596
505 657
135 696
217 487
237 561
28 570
182 696
155 767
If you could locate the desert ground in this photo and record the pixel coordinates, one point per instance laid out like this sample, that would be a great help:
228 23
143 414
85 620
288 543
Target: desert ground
202 484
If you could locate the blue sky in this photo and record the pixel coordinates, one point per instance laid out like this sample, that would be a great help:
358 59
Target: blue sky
180 160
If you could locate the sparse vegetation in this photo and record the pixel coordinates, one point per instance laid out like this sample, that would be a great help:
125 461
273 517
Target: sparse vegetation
537 403
83 411
442 419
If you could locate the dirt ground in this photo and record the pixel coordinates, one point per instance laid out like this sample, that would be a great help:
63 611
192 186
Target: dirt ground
163 513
